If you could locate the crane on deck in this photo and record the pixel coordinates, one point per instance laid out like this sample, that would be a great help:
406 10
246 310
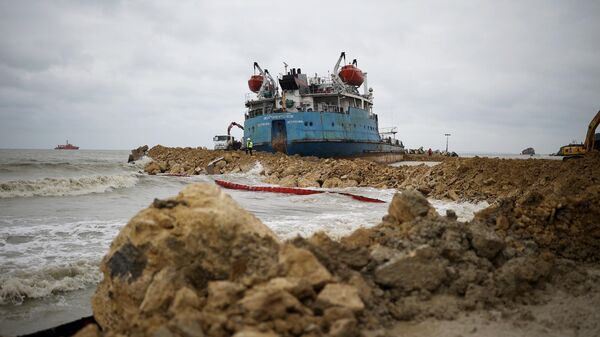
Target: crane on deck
268 86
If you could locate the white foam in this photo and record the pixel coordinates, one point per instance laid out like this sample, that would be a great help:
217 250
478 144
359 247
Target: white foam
17 286
66 186
141 163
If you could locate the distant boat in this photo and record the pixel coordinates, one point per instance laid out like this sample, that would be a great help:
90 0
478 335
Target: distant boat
67 146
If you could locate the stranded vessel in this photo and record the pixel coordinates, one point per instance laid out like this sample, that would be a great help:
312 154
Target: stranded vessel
316 116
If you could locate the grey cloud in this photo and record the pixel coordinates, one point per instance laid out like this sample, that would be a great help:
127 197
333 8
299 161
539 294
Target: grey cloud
500 76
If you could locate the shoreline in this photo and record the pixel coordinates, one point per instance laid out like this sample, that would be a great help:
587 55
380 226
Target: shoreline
536 244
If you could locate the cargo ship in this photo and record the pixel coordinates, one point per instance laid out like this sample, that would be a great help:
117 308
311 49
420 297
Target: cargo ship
66 146
315 116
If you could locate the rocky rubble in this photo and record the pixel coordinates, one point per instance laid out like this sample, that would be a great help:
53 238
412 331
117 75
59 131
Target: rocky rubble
470 179
199 265
138 153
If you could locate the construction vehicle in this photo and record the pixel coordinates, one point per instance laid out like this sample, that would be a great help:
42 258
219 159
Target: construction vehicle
228 142
591 142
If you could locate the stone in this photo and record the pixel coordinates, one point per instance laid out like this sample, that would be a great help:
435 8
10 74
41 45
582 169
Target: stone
220 164
185 298
152 168
345 327
412 272
138 153
298 287
381 254
160 292
139 270
485 241
90 330
176 169
221 294
301 263
288 181
364 289
305 182
349 183
341 295
268 304
332 182
528 151
408 205
254 333
520 274
452 195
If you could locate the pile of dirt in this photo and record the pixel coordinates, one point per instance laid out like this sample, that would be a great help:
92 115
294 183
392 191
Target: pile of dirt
199 265
193 161
468 179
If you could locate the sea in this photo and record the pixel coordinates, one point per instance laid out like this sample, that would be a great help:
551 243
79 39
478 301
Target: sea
60 210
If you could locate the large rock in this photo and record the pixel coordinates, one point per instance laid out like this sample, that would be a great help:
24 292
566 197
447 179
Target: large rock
269 304
409 205
288 181
520 274
200 236
340 295
305 182
152 168
301 263
138 153
528 151
412 272
332 182
485 241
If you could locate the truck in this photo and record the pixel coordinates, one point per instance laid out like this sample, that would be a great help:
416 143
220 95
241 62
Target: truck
227 142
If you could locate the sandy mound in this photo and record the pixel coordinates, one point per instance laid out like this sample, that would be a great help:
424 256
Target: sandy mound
473 179
199 265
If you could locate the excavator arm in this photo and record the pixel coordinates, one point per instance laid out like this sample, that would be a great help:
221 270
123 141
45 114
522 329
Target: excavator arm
232 125
589 138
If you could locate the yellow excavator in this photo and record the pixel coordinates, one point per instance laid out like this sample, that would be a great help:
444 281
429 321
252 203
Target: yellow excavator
578 150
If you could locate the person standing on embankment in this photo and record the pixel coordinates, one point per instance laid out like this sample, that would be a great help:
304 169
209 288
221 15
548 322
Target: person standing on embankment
249 145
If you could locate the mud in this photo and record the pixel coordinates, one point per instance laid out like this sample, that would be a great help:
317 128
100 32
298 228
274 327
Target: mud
202 266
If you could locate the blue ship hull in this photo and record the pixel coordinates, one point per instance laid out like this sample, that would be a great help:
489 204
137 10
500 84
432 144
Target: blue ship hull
318 133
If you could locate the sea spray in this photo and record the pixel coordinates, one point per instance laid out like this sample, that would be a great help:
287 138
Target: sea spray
66 186
17 286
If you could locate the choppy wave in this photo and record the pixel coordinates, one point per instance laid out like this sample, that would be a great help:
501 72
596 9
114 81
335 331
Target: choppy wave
17 287
66 186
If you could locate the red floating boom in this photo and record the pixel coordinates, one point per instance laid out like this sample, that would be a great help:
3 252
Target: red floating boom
288 190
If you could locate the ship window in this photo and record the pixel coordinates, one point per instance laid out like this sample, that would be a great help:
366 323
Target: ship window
332 124
310 123
305 123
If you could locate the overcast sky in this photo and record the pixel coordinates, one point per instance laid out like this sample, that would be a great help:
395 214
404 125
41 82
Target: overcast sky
499 75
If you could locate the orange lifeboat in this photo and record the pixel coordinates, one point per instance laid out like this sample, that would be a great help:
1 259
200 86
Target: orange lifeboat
351 75
255 82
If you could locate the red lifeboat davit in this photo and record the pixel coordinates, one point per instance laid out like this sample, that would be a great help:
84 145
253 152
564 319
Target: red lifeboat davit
351 75
255 82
